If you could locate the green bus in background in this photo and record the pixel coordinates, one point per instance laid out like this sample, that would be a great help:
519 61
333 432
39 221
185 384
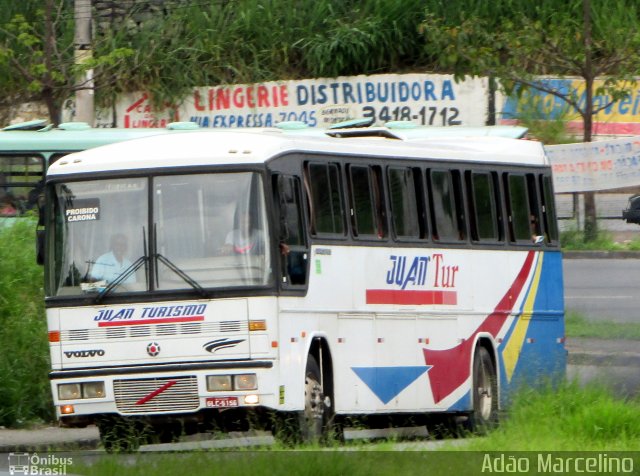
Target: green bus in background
27 149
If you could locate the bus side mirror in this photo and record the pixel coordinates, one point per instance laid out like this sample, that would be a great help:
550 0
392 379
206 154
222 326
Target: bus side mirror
40 247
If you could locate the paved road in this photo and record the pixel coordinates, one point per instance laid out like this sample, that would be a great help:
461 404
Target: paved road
603 289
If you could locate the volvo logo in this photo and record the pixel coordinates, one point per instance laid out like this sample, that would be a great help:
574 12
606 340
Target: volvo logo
83 353
216 345
153 349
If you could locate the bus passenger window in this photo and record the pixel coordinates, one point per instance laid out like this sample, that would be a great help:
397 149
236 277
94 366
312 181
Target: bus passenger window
522 219
403 197
535 224
327 217
367 212
447 208
549 210
484 211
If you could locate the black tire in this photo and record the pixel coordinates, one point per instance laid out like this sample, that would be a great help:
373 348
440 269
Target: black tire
314 418
484 392
312 424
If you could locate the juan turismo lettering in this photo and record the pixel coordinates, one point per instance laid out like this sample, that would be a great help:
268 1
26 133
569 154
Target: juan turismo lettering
112 315
151 312
174 311
407 271
416 274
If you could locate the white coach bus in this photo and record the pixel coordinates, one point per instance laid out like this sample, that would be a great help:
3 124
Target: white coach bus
205 278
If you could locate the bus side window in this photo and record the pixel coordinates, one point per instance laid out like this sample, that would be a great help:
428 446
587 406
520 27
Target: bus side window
524 222
322 184
405 199
447 206
535 205
367 207
21 183
484 213
292 242
549 210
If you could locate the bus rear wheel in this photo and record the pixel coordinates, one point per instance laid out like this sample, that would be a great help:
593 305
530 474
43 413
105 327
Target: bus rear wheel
484 392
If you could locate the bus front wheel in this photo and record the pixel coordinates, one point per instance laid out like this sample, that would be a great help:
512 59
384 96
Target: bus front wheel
314 416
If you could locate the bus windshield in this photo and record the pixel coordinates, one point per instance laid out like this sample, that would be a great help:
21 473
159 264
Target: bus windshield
162 233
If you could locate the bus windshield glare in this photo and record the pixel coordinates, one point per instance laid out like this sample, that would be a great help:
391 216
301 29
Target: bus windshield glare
196 232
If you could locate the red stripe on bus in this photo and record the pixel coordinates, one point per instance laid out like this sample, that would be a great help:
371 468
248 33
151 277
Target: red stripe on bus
167 385
150 321
450 367
397 296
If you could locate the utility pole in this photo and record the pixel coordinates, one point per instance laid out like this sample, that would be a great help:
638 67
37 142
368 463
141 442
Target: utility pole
83 53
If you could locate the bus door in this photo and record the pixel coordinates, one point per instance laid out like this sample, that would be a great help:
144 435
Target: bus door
294 250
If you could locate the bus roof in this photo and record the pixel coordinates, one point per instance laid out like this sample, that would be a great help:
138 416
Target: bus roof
257 146
70 137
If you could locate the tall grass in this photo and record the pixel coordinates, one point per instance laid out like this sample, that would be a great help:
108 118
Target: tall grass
568 418
574 240
24 352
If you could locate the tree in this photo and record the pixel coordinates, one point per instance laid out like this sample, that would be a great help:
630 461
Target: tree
524 40
37 56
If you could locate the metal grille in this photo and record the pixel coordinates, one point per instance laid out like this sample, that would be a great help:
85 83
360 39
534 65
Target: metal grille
137 396
153 330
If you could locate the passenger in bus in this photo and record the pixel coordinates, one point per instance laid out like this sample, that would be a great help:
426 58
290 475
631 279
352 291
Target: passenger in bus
113 263
244 239
8 207
535 230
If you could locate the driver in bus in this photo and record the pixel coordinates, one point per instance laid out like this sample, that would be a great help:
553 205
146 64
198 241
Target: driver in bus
243 239
113 263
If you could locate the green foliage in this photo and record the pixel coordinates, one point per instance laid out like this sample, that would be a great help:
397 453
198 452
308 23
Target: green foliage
37 57
549 127
575 240
518 41
566 418
25 395
252 40
186 45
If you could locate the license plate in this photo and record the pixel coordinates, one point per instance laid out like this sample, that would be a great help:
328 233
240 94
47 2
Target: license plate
222 402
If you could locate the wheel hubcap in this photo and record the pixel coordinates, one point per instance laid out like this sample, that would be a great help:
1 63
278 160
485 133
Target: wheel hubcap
314 409
484 394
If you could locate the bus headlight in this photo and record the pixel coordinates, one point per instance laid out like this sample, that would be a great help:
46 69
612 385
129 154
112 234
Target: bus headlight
69 391
77 391
245 382
217 383
93 390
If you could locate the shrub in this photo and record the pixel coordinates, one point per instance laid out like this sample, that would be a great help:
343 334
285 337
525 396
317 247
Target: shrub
25 396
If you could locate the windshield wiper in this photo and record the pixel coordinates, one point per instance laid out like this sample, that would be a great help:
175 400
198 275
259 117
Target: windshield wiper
188 279
123 276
